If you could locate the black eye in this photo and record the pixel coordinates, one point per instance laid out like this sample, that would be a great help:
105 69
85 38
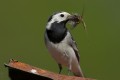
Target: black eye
61 15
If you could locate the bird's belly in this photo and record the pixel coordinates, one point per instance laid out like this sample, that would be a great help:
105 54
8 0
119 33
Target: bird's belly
58 52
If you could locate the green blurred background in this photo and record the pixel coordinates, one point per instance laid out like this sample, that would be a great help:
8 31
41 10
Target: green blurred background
22 26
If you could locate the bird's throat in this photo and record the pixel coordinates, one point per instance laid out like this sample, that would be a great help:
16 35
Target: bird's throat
57 32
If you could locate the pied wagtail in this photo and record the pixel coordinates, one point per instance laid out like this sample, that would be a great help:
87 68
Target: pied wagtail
60 43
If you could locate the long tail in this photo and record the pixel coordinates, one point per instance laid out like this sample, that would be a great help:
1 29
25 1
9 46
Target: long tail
79 73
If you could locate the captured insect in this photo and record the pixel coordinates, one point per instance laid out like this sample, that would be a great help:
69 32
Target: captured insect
77 19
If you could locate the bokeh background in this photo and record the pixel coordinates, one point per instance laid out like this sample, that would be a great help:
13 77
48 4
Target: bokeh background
22 26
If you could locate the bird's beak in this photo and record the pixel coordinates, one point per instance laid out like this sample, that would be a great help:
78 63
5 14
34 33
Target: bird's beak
70 17
76 19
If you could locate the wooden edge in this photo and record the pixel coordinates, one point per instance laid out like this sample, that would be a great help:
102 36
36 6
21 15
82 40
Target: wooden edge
21 71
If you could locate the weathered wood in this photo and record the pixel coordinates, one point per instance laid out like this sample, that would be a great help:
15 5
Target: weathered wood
21 71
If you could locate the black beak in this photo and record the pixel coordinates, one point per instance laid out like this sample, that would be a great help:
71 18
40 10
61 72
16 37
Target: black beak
74 18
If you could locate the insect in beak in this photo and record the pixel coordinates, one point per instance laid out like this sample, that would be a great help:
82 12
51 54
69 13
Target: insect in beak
76 19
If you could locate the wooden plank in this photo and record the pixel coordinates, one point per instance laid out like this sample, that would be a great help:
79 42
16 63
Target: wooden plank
21 71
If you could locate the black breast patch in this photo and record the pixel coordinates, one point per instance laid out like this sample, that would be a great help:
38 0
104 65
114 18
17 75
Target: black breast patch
57 32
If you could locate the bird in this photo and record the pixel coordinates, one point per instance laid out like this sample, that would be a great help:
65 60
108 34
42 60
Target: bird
60 43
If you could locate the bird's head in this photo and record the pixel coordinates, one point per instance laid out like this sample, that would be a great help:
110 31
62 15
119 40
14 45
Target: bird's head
59 17
64 17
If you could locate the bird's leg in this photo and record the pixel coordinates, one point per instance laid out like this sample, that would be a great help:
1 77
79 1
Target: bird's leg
69 67
60 68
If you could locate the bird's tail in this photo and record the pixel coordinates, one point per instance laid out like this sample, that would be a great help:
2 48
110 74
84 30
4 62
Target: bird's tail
79 73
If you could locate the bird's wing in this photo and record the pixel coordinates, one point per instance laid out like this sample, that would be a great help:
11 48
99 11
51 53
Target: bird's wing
73 44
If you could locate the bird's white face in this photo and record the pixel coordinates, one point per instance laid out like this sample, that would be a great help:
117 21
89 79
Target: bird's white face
59 17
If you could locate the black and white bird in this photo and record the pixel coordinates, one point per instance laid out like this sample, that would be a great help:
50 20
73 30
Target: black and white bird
60 43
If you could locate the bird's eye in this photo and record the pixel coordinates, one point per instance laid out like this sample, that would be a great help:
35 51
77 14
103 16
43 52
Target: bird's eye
61 15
